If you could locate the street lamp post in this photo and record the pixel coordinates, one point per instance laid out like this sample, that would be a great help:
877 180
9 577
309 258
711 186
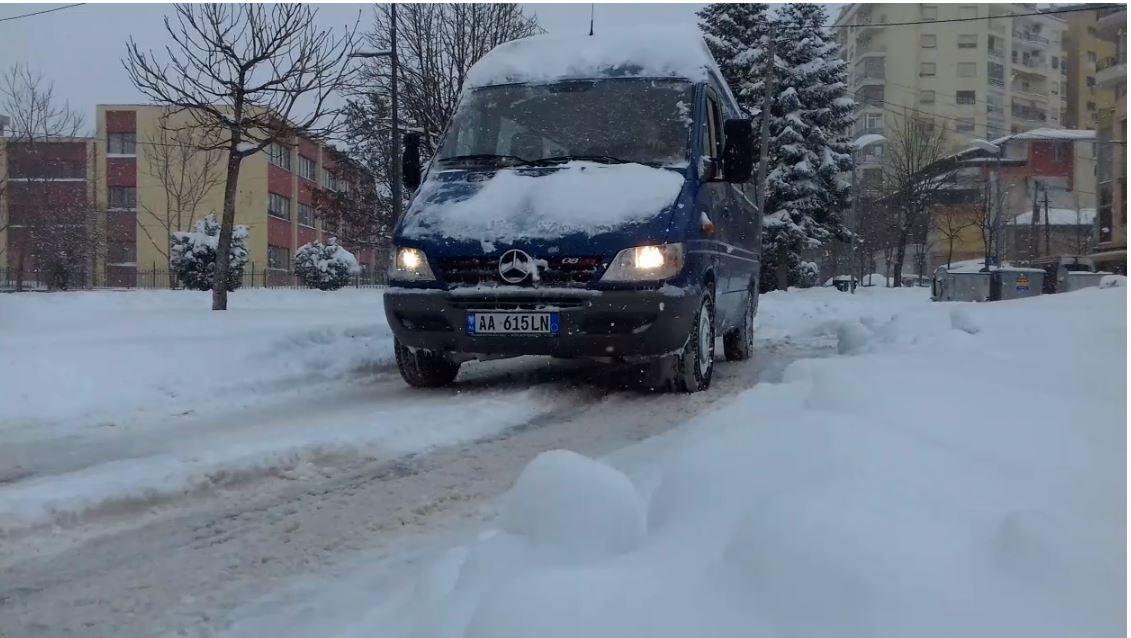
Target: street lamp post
396 126
858 145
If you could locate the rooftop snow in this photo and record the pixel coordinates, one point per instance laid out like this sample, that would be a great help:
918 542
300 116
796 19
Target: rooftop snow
645 52
1049 134
1059 217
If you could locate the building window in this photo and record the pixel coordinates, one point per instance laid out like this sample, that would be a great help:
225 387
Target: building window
1059 152
121 143
123 198
329 180
926 97
279 155
1091 56
928 40
306 215
965 125
967 69
121 253
965 97
1091 106
996 73
1090 82
968 12
278 206
1055 62
278 258
968 41
926 68
930 12
307 169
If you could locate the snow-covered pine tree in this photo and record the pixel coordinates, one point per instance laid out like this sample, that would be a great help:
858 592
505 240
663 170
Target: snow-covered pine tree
811 116
735 34
192 254
325 266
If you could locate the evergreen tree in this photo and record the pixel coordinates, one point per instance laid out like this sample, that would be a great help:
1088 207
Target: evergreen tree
192 255
325 266
735 34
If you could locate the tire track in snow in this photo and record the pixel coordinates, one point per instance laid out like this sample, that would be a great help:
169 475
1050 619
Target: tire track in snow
182 570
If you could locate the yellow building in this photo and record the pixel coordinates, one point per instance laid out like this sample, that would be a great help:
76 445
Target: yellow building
156 183
1084 53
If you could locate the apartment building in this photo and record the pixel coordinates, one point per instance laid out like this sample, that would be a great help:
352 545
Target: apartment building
156 184
49 231
979 69
1111 146
1085 53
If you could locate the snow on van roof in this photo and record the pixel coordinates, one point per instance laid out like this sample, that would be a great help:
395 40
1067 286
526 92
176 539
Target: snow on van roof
643 52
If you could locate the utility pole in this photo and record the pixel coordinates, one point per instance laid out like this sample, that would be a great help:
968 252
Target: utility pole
1048 224
1034 240
764 147
396 116
395 142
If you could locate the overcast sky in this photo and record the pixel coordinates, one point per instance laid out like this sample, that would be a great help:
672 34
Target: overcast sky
81 48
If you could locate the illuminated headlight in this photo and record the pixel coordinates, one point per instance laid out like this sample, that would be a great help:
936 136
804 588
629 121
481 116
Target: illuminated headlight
410 264
646 263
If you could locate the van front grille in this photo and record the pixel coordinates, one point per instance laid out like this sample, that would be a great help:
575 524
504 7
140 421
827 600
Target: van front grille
565 272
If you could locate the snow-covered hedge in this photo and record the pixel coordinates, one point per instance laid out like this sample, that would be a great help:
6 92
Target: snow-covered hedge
325 266
193 254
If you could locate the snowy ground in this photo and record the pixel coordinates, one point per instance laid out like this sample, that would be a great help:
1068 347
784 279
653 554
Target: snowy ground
315 494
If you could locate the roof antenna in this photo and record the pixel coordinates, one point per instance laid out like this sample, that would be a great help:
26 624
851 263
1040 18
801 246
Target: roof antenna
590 18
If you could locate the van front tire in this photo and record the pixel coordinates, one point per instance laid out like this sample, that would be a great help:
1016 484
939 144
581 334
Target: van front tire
692 369
424 368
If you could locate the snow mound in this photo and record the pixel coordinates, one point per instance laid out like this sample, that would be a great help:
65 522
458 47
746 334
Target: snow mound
852 336
962 320
641 52
580 197
1113 281
565 499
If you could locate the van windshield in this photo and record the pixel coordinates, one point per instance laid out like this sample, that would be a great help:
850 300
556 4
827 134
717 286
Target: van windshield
645 121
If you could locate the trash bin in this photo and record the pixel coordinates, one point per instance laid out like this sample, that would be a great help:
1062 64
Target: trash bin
1078 280
1018 283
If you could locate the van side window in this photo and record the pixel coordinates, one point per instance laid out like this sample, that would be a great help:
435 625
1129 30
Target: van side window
713 142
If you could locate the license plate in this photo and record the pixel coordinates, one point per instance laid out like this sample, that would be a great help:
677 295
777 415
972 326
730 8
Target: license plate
512 323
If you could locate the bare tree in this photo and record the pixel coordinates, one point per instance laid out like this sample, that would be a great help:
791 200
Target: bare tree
954 222
249 75
187 175
914 176
437 44
51 219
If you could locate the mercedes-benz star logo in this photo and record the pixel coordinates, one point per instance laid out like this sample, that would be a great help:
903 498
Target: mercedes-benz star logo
515 266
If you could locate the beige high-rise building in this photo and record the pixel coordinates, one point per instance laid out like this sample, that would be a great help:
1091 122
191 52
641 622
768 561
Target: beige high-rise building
982 70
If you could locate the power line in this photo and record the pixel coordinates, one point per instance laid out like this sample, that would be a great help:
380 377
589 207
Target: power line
1092 7
37 13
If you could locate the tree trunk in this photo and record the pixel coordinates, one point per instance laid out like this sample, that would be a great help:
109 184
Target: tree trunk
224 244
783 271
897 269
949 251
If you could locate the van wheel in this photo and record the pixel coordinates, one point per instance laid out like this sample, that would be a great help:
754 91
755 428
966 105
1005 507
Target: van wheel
424 368
695 366
738 343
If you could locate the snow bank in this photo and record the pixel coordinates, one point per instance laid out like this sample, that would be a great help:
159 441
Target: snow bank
91 357
640 52
928 485
570 501
579 197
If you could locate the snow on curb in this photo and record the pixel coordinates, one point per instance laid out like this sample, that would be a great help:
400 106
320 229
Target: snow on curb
934 483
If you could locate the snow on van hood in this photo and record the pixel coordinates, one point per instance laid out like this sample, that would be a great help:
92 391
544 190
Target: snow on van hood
578 197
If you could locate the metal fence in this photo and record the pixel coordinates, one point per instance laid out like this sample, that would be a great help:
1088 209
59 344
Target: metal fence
117 277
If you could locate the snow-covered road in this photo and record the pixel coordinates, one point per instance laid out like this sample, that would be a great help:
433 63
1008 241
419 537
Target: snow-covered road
157 510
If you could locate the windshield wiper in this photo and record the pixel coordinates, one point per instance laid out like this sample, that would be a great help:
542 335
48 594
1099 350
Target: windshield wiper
562 159
510 160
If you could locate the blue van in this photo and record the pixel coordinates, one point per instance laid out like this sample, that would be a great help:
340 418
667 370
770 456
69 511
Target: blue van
590 197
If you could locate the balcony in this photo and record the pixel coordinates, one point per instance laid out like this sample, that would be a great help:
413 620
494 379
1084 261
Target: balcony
1030 39
997 53
870 48
1031 67
1111 73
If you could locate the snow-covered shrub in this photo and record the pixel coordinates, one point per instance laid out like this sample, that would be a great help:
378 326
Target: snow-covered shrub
806 275
325 266
192 254
1113 281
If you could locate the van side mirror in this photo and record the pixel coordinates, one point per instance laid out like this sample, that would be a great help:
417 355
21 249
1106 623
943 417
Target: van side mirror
410 161
738 151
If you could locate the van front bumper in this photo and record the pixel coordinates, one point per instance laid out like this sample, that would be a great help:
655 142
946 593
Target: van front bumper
614 323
